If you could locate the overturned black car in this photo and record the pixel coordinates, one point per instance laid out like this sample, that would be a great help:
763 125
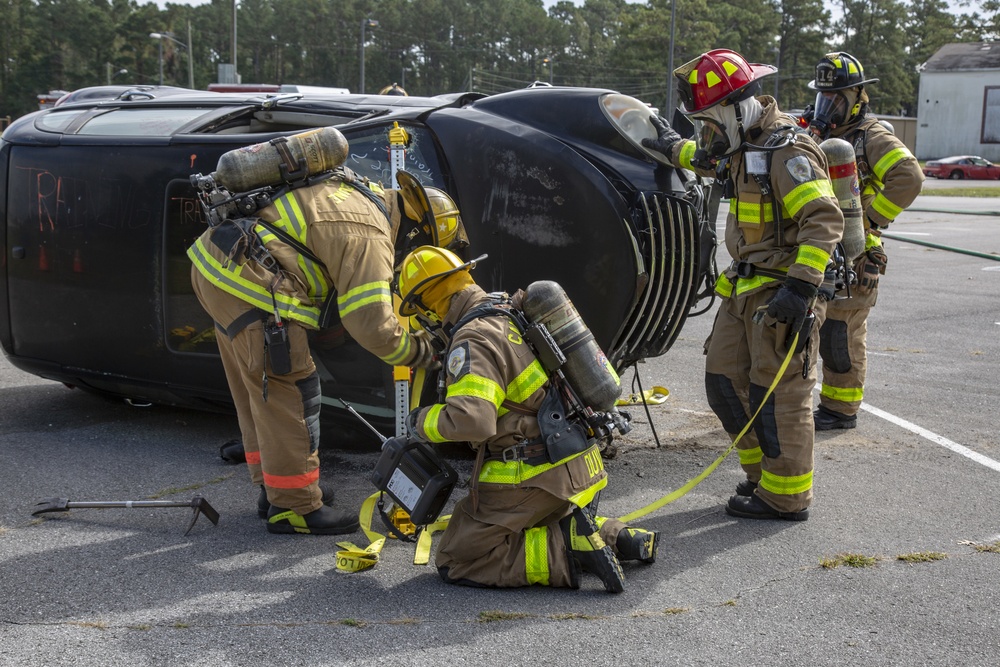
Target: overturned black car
98 209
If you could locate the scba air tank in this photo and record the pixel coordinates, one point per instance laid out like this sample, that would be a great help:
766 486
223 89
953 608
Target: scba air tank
844 176
587 367
281 160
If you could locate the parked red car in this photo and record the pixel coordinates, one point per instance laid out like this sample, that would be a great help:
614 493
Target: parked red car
962 166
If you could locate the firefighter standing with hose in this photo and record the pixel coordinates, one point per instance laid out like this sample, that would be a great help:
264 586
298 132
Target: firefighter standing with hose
890 179
527 519
774 289
267 284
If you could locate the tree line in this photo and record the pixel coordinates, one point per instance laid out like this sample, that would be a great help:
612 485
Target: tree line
436 46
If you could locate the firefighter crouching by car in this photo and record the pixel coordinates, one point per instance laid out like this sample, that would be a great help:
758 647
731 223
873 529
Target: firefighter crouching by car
770 170
324 244
890 179
526 520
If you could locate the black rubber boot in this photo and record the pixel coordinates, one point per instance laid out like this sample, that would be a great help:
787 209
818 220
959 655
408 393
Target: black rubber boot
826 420
588 551
752 507
637 544
263 505
232 451
746 488
324 521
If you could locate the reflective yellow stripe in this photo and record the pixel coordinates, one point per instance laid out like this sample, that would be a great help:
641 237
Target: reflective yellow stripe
227 278
844 394
744 285
785 486
430 424
527 383
723 287
890 160
749 213
686 154
292 221
477 386
402 351
872 241
884 207
536 555
516 472
364 295
749 457
812 257
805 193
586 496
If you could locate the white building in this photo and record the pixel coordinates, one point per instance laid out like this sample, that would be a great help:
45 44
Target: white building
958 110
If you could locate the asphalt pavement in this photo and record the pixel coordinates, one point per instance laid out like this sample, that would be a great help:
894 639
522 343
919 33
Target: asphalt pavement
897 564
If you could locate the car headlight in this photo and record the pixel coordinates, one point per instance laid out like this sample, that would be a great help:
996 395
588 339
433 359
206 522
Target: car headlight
631 118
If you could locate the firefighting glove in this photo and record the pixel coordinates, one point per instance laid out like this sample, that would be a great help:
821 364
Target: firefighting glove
869 267
790 304
412 432
425 354
666 136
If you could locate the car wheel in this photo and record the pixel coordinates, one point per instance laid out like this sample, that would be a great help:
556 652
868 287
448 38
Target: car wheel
956 175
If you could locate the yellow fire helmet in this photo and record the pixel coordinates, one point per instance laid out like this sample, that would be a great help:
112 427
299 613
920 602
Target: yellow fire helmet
428 276
394 89
431 206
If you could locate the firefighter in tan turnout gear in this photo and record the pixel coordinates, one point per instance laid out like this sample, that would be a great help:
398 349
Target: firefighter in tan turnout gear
527 520
890 179
313 249
777 284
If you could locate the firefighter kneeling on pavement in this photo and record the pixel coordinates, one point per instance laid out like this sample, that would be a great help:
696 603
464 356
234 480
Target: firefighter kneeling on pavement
526 520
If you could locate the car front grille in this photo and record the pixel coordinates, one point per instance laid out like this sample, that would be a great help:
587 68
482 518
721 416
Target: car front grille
667 236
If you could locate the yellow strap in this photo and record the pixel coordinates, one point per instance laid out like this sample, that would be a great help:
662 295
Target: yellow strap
354 558
678 493
654 396
422 554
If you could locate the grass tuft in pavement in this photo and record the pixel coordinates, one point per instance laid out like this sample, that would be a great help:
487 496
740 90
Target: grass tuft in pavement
993 548
922 556
497 615
850 560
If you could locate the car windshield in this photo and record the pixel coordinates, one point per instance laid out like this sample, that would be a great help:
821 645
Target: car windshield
140 122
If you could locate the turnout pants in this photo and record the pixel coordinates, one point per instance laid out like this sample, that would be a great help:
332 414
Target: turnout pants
844 350
280 431
743 359
512 539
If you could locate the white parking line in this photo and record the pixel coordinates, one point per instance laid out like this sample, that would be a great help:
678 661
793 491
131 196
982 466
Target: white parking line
934 437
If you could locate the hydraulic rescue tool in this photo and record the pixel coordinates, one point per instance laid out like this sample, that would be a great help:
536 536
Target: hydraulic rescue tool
412 474
199 504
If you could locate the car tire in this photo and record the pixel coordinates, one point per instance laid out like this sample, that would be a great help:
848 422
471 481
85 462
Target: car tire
956 175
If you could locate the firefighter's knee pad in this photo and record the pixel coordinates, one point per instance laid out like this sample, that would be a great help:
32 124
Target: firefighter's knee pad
312 400
725 403
765 426
833 346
